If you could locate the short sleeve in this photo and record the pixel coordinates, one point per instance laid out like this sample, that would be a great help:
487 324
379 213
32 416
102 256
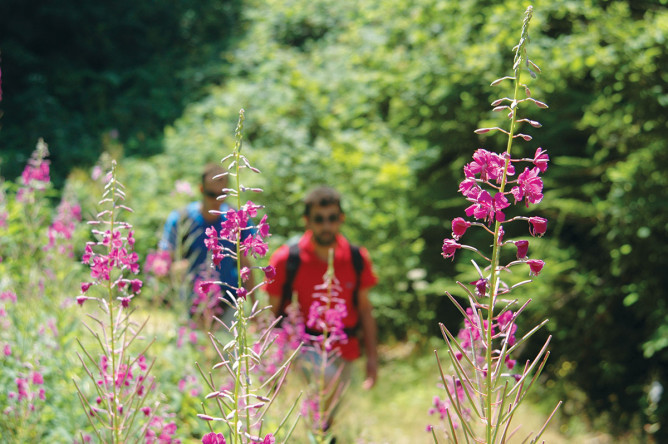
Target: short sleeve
168 240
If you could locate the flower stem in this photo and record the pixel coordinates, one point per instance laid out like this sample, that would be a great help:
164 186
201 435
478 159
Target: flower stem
114 401
490 382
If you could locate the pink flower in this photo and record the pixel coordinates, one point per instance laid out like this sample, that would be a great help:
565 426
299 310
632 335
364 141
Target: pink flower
469 188
7 350
522 248
450 247
540 159
245 273
37 378
538 226
269 439
242 293
269 272
529 187
213 438
22 388
85 286
211 241
8 296
535 266
480 286
204 287
263 227
255 245
488 165
146 411
487 208
136 285
459 226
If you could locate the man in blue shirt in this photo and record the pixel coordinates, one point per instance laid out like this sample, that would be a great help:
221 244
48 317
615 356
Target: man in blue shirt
184 235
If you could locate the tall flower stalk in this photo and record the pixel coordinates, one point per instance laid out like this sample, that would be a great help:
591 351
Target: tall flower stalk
118 412
325 328
241 400
487 388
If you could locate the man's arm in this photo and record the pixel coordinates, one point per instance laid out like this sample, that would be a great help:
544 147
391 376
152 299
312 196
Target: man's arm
370 333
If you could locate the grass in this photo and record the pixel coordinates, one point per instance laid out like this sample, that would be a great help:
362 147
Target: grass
396 409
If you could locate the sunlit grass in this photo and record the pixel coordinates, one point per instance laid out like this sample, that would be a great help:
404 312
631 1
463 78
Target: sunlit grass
396 409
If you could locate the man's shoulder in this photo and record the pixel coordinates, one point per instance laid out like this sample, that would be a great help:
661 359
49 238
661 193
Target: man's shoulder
281 254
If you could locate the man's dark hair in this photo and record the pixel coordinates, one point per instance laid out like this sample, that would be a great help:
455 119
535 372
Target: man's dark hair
211 170
321 197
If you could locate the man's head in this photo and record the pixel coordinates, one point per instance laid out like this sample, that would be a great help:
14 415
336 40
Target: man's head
323 214
212 188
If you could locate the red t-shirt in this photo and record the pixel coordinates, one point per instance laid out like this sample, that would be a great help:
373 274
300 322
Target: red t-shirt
311 272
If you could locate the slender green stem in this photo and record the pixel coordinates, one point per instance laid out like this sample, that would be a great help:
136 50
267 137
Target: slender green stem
240 384
495 279
114 402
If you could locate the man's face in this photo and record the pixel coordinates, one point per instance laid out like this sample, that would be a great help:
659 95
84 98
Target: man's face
325 223
211 189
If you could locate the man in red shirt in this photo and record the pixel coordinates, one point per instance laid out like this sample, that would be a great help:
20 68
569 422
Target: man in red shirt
323 217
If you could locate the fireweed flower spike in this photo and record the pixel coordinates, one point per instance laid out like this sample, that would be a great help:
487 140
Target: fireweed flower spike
241 400
121 379
487 386
324 329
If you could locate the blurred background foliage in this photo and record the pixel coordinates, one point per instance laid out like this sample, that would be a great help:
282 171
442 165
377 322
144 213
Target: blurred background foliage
380 99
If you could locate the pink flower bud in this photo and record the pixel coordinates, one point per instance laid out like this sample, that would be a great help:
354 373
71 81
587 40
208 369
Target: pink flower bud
459 226
480 287
136 285
535 266
242 293
450 246
538 226
522 248
85 286
269 272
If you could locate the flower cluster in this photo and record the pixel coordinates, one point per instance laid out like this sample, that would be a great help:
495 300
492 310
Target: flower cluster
62 228
110 263
122 380
158 263
242 403
482 349
238 229
325 316
35 176
472 335
29 389
128 381
160 431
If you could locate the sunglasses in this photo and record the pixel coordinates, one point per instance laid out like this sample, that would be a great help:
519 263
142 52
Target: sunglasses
211 194
319 219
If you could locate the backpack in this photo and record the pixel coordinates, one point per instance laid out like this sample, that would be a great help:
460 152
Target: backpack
292 265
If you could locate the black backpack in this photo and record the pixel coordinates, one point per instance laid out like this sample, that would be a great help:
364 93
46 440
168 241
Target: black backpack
292 265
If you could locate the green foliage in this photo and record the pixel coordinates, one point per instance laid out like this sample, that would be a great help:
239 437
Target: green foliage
74 71
381 102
